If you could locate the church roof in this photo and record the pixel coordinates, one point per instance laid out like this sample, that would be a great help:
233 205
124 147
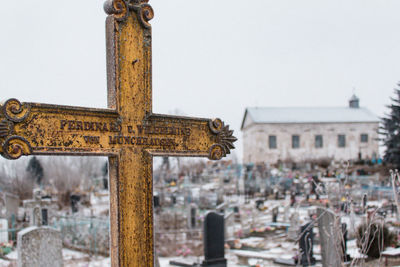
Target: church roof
308 115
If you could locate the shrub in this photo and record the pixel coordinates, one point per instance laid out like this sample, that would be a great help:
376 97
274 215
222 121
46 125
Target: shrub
373 238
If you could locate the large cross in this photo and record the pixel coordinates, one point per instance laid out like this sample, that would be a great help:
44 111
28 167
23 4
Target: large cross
127 132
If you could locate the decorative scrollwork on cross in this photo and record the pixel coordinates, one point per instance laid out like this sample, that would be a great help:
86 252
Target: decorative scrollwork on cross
11 145
14 111
16 146
117 8
225 140
120 10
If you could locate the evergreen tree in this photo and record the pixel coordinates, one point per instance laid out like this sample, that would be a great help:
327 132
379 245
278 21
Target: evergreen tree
390 131
35 170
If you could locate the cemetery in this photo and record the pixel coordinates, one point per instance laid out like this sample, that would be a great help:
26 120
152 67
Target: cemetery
215 214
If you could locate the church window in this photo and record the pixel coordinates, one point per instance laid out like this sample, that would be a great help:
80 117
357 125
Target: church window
341 140
272 141
295 141
319 141
364 138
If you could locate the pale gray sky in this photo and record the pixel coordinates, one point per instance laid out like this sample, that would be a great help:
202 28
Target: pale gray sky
211 58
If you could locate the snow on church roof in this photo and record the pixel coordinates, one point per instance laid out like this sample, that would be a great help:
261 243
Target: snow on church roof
308 115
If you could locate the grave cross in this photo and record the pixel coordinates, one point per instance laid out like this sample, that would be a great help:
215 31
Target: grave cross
127 132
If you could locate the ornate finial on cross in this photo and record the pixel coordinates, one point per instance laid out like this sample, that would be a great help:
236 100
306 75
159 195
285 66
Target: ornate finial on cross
120 10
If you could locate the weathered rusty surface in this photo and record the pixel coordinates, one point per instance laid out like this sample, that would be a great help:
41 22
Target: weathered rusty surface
51 129
128 132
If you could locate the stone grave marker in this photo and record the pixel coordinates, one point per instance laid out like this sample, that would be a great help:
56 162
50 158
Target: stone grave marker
214 240
306 243
192 216
364 202
329 229
229 220
275 213
3 230
74 200
294 226
286 213
346 257
39 247
214 243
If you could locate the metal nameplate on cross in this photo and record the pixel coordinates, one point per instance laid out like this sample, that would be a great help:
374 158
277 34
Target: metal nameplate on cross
127 132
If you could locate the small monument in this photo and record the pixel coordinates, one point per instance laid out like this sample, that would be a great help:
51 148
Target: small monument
39 247
346 257
306 244
214 240
38 209
328 226
294 226
193 216
275 213
214 243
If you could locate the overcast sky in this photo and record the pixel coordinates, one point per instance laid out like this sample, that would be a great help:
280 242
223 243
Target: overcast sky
211 58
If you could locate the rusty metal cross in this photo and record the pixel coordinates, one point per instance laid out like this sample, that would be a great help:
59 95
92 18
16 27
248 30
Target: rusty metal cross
127 132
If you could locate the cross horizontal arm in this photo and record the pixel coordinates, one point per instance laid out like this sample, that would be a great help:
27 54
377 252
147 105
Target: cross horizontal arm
32 128
190 136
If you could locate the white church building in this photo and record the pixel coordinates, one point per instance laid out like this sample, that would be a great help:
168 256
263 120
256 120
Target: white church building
299 134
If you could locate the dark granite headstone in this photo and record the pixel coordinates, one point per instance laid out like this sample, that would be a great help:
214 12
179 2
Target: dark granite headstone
346 257
193 217
74 202
45 220
364 200
275 212
214 240
156 201
306 243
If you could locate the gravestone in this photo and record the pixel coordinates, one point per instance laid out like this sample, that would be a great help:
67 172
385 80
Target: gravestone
193 216
275 212
214 240
74 199
39 247
364 203
306 243
229 221
294 226
286 212
3 230
328 226
346 257
156 200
